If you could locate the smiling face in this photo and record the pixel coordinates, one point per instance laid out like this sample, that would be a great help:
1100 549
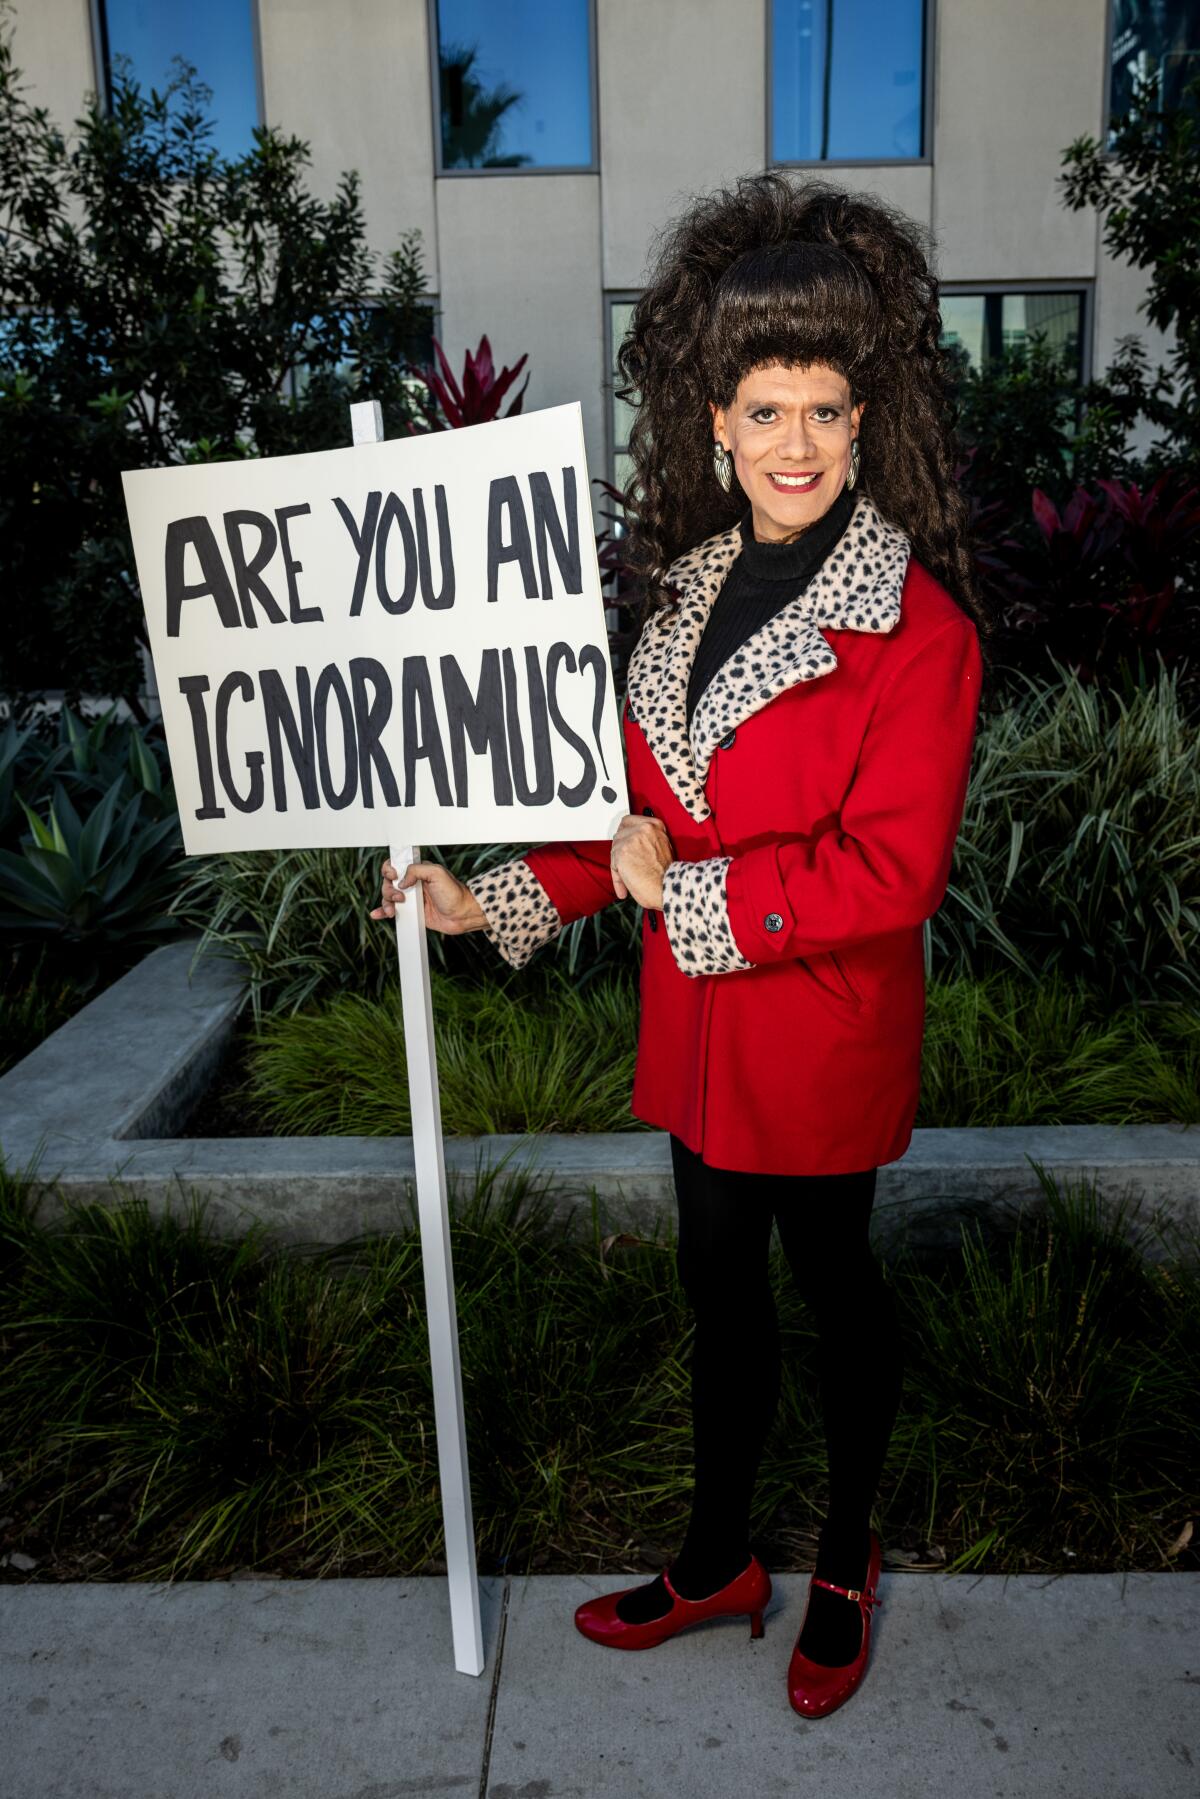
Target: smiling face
789 432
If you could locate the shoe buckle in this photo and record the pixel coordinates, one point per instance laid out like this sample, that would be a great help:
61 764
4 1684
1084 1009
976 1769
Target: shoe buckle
861 1594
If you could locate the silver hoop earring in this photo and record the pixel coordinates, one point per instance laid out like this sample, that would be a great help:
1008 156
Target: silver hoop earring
855 459
723 465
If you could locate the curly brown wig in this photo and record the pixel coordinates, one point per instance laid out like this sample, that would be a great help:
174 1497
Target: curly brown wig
797 272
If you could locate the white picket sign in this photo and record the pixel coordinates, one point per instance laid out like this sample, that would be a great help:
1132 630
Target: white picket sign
412 947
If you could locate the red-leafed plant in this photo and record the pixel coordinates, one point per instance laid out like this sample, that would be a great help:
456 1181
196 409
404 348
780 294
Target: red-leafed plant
620 594
474 401
1107 579
450 404
1161 532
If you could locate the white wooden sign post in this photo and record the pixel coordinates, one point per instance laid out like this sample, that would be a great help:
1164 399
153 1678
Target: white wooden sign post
445 1363
404 639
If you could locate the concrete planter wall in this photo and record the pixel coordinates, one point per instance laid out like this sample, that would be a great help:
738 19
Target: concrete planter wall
93 1107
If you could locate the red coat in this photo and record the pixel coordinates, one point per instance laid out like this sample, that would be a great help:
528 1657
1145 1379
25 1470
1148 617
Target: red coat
812 810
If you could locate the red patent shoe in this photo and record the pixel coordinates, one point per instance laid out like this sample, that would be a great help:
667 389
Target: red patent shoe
815 1689
747 1592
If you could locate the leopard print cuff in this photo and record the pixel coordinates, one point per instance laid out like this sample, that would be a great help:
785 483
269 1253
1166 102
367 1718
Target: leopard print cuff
519 912
697 919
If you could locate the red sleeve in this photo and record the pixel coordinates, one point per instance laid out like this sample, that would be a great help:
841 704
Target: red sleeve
576 876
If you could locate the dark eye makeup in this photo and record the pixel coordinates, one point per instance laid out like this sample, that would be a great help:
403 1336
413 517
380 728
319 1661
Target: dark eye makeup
827 407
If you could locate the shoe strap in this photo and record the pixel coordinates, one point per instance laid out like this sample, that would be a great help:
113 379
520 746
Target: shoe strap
682 1599
866 1595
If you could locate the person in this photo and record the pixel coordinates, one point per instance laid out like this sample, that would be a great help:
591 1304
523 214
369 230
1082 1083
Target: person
799 716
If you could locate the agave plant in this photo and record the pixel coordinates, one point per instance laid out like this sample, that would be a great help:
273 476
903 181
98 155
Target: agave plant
86 756
96 887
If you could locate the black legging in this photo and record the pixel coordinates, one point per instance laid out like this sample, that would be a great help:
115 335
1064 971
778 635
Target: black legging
723 1243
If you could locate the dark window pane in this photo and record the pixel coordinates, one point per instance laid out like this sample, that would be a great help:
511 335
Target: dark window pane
417 350
515 83
217 38
984 325
620 313
848 79
1153 38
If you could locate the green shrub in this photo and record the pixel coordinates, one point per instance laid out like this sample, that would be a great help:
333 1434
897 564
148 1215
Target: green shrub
545 1056
33 1002
298 920
1080 844
230 1403
509 1059
1049 1379
1001 1051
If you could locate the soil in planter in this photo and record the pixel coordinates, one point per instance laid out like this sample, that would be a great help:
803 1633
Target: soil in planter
226 1109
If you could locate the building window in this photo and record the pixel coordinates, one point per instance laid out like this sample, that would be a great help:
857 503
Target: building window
621 413
514 84
985 323
417 352
847 80
140 38
1160 40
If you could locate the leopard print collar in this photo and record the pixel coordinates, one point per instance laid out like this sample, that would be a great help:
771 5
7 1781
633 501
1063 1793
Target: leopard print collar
857 588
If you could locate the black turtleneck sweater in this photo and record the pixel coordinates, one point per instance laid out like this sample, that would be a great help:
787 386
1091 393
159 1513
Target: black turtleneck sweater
762 579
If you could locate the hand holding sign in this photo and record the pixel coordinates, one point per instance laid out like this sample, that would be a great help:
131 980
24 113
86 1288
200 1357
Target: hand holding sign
450 905
641 853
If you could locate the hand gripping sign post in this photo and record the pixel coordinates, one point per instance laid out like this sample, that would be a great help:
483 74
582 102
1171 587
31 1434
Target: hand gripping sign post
399 641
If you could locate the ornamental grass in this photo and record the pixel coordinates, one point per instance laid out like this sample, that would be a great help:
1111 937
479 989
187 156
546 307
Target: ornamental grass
542 1054
178 1405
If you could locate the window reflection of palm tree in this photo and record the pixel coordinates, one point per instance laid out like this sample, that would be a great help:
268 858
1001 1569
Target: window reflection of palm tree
473 115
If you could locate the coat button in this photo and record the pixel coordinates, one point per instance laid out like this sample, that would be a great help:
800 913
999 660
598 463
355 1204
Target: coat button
774 921
726 742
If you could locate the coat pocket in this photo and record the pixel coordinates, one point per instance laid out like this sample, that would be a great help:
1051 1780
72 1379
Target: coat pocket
830 974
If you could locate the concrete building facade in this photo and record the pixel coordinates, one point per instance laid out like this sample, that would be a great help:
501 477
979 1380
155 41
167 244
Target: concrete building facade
680 95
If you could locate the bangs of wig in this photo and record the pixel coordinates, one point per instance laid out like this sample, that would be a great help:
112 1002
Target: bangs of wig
796 303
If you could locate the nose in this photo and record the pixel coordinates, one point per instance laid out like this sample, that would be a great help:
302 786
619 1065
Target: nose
797 443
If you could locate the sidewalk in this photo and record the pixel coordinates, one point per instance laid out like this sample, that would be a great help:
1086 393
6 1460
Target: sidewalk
1084 1687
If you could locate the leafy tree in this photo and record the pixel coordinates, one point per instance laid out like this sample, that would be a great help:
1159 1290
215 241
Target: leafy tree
1017 418
160 304
1145 190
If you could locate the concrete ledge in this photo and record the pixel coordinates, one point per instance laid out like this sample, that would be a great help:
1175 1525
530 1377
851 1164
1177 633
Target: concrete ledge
132 1063
88 1106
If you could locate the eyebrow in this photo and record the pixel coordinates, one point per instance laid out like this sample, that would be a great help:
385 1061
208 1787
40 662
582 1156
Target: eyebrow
756 401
